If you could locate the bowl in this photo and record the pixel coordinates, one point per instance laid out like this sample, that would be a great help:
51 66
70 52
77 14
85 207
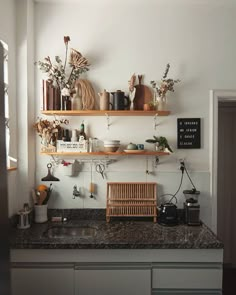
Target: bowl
111 142
111 149
111 145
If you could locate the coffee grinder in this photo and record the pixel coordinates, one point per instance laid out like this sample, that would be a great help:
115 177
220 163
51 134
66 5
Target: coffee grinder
192 207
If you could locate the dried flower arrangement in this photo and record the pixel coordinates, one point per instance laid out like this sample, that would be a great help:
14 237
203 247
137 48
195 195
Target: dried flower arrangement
58 74
165 84
50 131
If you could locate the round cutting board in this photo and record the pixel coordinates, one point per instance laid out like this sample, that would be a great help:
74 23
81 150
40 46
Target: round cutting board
143 95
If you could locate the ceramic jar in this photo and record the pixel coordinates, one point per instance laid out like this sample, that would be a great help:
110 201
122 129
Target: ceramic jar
40 213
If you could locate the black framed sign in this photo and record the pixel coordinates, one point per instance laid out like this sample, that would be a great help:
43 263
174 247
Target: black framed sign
189 133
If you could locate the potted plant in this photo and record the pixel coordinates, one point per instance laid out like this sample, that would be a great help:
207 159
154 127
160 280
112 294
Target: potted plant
161 143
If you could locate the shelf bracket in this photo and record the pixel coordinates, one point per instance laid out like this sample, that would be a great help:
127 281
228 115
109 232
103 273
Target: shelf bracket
108 121
155 124
156 161
55 161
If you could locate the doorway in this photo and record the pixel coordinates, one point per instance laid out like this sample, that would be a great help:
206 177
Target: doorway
223 175
226 196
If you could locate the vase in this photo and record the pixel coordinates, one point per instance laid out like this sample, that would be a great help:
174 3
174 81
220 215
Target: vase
155 99
40 213
76 100
162 103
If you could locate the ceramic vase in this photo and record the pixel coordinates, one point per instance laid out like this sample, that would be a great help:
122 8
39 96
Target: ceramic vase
40 213
162 103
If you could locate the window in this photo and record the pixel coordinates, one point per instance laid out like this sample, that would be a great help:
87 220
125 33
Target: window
6 97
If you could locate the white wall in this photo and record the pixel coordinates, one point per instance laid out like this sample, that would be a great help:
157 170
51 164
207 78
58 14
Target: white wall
7 34
126 37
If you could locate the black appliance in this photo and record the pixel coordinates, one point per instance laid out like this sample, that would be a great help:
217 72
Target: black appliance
168 214
192 207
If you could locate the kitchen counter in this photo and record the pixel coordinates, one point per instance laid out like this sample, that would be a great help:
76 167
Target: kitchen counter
118 235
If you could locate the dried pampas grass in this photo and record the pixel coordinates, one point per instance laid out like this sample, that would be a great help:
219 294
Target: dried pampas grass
87 93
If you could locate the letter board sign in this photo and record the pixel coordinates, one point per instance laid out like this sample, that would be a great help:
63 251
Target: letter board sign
189 133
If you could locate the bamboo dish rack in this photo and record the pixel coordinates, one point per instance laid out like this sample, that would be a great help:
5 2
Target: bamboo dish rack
137 199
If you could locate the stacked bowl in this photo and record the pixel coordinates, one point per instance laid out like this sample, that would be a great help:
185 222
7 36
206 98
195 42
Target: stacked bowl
111 145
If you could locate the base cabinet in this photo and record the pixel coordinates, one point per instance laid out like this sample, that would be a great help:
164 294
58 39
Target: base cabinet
117 272
110 279
38 279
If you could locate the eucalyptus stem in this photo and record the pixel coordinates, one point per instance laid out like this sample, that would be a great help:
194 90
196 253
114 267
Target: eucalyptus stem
49 60
66 57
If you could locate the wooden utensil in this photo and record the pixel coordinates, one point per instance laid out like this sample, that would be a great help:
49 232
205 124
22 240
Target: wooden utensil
143 94
41 197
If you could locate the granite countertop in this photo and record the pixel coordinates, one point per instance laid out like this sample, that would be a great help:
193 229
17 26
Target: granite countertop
118 234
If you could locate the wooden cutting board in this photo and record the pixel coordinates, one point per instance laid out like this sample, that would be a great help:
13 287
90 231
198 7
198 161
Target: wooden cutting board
143 94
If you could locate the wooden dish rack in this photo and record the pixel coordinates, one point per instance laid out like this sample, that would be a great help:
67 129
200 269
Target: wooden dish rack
137 199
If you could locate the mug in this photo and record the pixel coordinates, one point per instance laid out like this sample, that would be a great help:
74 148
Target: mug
140 146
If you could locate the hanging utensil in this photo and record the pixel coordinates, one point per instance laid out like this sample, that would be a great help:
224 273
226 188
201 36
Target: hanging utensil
100 168
50 177
91 186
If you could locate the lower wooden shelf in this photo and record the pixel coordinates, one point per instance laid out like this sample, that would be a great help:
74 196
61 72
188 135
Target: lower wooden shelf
145 153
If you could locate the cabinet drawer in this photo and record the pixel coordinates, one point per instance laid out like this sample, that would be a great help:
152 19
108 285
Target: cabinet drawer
107 280
187 278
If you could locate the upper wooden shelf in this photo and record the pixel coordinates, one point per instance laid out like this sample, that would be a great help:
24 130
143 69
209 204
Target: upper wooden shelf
144 153
108 112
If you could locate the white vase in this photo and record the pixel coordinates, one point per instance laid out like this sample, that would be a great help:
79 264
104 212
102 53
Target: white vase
162 104
40 213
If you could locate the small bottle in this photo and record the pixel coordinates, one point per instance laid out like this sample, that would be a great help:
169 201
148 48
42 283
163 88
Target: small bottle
74 135
66 135
91 145
76 101
82 133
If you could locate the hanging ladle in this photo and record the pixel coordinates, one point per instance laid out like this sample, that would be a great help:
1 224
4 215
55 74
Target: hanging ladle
50 177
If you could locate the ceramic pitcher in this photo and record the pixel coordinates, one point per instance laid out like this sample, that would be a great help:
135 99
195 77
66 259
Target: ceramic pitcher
104 100
120 101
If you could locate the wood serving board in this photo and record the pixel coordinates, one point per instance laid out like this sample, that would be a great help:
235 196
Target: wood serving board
143 95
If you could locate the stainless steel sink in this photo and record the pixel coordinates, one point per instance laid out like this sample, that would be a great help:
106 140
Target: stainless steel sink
71 231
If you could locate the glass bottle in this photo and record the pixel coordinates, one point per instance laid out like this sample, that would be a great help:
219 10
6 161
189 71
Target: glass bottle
82 134
76 100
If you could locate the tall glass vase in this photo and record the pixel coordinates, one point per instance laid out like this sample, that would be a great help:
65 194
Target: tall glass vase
155 99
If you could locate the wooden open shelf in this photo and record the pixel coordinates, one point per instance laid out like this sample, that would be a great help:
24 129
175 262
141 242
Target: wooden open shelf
145 153
103 113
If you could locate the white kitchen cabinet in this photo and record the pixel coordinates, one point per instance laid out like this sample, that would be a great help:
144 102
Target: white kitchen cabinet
187 278
42 279
110 279
117 271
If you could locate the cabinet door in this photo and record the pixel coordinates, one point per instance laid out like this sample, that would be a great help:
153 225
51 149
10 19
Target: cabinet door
42 281
114 280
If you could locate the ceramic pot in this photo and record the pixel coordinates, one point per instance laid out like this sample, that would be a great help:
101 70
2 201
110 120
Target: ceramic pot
41 213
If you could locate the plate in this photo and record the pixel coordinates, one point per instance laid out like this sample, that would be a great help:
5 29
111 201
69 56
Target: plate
134 151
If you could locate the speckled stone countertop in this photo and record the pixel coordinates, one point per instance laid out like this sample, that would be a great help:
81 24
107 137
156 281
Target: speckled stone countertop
118 234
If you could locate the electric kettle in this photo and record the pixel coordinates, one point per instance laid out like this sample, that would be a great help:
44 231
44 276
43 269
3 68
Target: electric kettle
168 214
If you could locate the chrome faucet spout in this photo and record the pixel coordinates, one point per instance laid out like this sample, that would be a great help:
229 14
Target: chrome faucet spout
76 192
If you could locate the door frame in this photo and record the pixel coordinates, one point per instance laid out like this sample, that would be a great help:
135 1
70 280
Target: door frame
216 96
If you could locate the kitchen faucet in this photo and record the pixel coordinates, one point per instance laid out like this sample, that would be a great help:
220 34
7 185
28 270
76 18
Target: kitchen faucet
76 193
